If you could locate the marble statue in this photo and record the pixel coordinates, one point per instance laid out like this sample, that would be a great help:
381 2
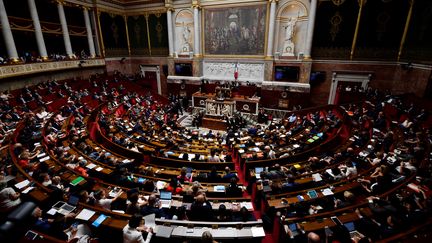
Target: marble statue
288 48
186 36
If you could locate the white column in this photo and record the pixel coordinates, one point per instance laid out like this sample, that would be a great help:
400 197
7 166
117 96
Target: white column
200 28
7 33
89 32
65 30
271 28
96 39
159 87
196 31
38 30
170 32
310 29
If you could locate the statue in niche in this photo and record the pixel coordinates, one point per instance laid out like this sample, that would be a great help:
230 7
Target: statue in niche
288 49
186 36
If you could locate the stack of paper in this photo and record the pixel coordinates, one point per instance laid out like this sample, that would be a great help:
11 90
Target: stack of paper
85 214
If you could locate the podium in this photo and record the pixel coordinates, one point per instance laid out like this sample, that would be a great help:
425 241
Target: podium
219 108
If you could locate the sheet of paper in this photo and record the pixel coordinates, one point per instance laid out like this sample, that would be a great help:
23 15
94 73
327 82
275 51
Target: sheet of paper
91 166
258 232
163 231
85 214
44 159
22 184
27 190
150 221
316 177
99 169
41 155
52 211
327 192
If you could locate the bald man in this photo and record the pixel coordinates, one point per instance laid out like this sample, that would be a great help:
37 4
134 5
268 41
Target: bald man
201 209
313 238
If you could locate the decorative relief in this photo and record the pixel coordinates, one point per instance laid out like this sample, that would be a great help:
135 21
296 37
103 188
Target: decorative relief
335 21
17 70
225 71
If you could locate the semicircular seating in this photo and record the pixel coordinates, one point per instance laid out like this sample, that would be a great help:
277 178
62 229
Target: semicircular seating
113 152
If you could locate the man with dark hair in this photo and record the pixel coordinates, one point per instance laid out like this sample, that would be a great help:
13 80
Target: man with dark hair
133 231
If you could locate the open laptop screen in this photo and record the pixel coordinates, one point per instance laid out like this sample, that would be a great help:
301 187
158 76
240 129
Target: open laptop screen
73 200
350 226
164 195
258 170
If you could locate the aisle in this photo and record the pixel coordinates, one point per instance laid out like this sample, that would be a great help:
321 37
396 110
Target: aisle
257 213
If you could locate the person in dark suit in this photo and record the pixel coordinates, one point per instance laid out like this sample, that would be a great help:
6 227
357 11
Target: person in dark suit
201 209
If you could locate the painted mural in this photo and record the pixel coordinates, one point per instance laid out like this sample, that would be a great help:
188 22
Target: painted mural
235 31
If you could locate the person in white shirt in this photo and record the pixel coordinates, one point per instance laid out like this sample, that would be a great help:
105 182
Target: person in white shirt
133 231
103 201
42 114
9 199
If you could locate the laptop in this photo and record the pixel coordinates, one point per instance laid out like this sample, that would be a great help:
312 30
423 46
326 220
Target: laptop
266 186
165 199
73 200
353 232
258 170
63 207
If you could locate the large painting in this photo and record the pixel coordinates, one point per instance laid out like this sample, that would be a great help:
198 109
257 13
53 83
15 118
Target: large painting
235 31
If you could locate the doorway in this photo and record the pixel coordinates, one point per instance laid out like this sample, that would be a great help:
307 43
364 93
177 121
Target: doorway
347 82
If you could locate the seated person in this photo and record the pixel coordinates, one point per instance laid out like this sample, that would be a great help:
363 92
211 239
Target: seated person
184 175
228 174
213 176
134 207
175 186
152 206
223 214
9 199
103 201
244 215
201 209
233 189
207 237
53 226
133 231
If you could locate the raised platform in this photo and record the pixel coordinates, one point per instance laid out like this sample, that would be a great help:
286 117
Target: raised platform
214 124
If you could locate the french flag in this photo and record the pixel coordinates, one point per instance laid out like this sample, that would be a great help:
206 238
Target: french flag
236 71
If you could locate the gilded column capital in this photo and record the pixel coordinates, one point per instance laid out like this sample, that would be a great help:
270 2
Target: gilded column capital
196 4
85 7
169 7
62 2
